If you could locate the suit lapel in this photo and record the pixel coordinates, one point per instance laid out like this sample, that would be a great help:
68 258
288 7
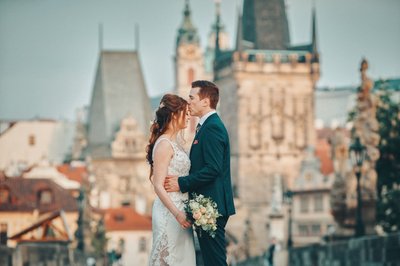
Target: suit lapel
210 118
198 136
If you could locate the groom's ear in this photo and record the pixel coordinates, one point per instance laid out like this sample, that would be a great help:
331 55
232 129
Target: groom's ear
206 102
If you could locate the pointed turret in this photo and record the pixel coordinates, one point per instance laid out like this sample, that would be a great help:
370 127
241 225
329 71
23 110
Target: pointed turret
314 46
314 31
239 33
217 30
187 33
188 61
265 24
100 37
137 37
119 90
217 38
223 36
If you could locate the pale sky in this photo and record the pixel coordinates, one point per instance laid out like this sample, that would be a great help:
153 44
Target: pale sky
49 48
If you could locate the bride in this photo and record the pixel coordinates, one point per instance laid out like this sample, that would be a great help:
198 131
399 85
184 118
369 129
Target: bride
173 242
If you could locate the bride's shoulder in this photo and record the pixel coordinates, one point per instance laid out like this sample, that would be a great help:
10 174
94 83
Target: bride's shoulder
163 144
162 150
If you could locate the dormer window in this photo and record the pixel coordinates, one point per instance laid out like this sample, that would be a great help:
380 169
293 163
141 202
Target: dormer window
119 217
4 195
45 196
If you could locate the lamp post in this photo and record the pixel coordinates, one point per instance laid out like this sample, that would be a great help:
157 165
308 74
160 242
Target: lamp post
358 152
289 196
79 231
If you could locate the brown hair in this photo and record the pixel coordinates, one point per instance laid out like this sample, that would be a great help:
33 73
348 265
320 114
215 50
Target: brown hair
170 105
207 90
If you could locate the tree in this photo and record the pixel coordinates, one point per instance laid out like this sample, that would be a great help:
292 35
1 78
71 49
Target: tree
388 165
99 241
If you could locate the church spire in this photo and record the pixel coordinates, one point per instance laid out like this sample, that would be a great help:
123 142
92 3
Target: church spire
217 26
314 46
314 31
187 32
239 33
217 31
100 37
137 37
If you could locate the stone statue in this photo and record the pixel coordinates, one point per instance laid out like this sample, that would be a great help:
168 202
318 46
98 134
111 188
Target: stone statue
365 126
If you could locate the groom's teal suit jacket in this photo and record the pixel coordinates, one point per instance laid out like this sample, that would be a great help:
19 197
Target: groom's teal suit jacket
210 172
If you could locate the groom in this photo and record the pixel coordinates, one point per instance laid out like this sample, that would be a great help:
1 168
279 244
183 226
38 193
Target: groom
210 167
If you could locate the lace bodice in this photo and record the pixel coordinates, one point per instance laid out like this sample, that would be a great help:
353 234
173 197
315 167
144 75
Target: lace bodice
179 165
180 162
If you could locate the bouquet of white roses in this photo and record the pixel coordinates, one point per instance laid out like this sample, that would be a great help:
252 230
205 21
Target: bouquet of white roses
203 213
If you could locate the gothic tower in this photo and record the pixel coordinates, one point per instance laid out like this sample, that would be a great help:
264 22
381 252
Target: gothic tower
223 42
189 64
267 91
118 124
119 90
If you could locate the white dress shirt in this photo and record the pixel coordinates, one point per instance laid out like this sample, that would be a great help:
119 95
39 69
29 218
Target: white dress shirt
204 117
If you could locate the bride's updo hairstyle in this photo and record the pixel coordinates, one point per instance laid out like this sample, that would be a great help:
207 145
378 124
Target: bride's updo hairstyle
170 105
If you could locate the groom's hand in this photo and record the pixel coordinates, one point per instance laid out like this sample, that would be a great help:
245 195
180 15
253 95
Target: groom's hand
171 184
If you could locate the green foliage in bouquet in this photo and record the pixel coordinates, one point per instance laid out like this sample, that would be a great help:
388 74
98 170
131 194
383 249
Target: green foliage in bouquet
203 213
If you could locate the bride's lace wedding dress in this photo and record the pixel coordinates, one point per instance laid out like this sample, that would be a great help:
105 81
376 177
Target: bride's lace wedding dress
172 245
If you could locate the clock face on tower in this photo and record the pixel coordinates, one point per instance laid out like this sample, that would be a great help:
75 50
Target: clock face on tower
190 51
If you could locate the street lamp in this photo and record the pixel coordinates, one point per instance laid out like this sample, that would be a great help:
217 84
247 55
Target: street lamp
289 196
358 153
79 231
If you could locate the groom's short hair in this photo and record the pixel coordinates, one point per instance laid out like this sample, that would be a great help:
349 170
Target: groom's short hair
207 90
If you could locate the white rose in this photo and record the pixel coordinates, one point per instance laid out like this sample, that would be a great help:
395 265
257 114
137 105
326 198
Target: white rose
203 220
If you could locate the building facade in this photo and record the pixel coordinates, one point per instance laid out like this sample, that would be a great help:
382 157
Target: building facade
270 86
311 216
118 126
23 201
26 143
129 235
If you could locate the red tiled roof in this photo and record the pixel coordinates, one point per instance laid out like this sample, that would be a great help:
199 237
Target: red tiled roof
126 219
323 152
24 193
76 173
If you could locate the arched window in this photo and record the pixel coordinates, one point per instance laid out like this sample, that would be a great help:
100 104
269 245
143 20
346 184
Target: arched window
190 76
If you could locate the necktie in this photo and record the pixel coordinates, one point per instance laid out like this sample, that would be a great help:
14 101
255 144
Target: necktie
198 127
